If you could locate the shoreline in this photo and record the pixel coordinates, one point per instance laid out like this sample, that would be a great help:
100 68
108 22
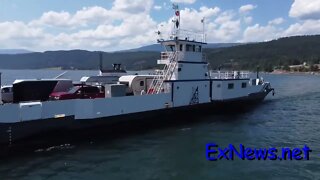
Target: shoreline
295 73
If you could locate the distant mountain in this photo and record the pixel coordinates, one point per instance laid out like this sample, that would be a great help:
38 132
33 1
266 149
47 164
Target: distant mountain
278 53
159 48
221 45
14 51
267 55
78 59
153 47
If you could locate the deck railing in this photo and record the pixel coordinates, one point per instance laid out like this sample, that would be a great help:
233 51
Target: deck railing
166 55
229 74
189 35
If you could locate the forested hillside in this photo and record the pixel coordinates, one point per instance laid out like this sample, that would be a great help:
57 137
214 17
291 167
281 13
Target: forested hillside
267 55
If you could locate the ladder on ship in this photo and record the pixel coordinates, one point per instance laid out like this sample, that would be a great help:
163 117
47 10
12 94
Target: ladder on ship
157 84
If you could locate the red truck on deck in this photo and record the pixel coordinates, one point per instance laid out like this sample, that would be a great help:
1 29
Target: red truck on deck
79 92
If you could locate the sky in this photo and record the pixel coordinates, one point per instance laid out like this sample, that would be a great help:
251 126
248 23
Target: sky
111 25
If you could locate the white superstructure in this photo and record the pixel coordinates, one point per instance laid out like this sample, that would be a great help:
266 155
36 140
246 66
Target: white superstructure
184 82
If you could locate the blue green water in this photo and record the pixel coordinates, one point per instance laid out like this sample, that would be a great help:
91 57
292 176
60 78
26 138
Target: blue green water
290 119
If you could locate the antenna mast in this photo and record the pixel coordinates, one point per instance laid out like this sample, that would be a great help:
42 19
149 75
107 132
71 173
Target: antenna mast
204 30
176 21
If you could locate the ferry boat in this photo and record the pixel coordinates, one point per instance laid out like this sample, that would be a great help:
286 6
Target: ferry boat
185 85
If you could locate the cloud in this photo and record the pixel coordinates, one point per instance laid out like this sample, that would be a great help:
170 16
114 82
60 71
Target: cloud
17 29
129 25
225 27
308 27
184 1
112 37
157 7
308 13
136 6
272 30
92 28
93 15
80 18
276 21
224 17
191 18
248 19
219 26
19 35
305 9
247 8
97 28
61 19
258 33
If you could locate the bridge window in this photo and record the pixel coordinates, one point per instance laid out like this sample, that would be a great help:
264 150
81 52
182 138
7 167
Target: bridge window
141 83
171 48
198 48
244 85
188 47
181 47
230 86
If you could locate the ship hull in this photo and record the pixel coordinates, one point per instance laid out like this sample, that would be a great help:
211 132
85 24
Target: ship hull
66 129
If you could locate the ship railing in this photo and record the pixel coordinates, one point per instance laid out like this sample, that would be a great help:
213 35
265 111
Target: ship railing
184 34
229 74
166 55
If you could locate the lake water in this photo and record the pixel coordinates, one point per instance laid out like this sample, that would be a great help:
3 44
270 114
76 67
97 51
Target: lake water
289 119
